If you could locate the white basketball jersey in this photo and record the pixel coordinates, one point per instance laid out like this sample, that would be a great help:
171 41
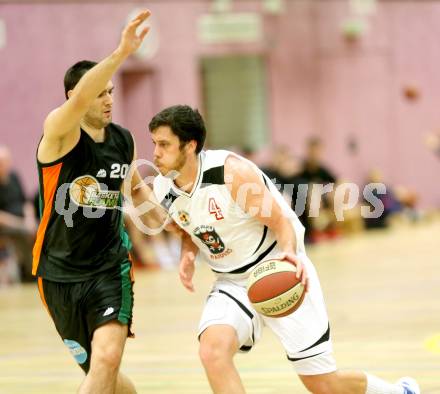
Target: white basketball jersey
231 240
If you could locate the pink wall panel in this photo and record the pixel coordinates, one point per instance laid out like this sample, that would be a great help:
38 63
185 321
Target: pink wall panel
292 75
360 93
416 54
317 82
42 42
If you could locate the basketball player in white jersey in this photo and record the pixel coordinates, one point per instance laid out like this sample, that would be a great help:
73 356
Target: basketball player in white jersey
233 217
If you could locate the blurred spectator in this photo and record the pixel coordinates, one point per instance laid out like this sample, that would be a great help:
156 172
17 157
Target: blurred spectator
352 222
153 252
17 227
36 204
390 203
432 141
398 203
315 172
284 170
275 170
408 200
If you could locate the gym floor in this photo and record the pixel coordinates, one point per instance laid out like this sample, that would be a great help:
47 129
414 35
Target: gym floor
382 291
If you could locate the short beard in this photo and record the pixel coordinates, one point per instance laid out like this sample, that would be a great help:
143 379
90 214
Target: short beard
180 162
177 165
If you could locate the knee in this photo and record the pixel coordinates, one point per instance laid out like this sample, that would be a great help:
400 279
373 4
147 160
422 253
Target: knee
214 352
108 358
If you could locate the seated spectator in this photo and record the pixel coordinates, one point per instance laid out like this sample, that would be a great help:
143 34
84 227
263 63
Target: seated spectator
284 170
276 169
160 251
17 227
315 172
409 201
348 212
394 201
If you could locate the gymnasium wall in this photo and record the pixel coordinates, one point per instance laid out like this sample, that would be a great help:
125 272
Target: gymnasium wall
318 83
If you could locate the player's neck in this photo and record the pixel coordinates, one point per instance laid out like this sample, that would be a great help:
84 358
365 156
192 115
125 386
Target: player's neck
188 174
97 134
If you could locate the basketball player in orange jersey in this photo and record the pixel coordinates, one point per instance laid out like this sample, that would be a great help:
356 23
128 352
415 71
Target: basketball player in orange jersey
81 253
234 217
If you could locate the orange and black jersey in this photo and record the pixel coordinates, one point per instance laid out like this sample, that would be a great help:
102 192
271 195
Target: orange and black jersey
81 231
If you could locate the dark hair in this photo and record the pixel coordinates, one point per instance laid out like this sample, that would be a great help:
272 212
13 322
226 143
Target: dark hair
185 122
75 73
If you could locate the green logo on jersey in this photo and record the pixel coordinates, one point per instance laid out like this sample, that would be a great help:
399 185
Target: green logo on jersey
86 191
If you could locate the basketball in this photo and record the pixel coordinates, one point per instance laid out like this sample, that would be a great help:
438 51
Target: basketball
273 288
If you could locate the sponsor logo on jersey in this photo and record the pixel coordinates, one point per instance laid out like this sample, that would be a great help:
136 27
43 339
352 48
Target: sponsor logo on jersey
101 173
220 255
212 240
86 191
183 218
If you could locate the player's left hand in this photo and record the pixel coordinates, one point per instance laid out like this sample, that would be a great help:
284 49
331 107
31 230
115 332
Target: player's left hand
130 40
186 270
301 271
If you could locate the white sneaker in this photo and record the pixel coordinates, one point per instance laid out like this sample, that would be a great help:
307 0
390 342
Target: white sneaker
409 385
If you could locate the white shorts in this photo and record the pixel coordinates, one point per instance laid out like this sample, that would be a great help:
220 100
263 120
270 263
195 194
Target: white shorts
305 334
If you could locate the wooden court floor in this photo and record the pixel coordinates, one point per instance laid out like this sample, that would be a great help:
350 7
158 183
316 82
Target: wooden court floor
383 296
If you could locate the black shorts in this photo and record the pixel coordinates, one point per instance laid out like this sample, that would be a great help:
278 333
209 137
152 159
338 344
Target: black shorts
77 309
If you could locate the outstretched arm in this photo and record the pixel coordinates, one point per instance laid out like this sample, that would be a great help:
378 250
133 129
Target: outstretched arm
63 123
141 203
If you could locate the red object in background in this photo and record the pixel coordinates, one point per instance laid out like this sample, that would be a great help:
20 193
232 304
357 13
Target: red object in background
411 93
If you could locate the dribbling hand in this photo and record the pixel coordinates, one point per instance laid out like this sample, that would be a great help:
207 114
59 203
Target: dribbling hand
300 269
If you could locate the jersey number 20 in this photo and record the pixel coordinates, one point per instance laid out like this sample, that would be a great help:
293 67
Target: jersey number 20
118 170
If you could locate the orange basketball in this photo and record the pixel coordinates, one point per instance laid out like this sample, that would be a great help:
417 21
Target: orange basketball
274 289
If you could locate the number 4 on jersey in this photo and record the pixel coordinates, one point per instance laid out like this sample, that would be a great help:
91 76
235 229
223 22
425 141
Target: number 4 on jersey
214 209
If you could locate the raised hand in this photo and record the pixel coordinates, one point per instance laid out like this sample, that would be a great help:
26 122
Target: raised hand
130 39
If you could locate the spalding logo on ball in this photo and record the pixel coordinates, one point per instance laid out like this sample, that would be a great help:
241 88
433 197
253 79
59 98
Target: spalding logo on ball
274 289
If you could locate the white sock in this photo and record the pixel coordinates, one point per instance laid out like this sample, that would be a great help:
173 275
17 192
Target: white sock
376 385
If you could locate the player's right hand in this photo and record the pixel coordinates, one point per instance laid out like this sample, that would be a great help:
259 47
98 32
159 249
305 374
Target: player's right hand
130 40
186 270
301 272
